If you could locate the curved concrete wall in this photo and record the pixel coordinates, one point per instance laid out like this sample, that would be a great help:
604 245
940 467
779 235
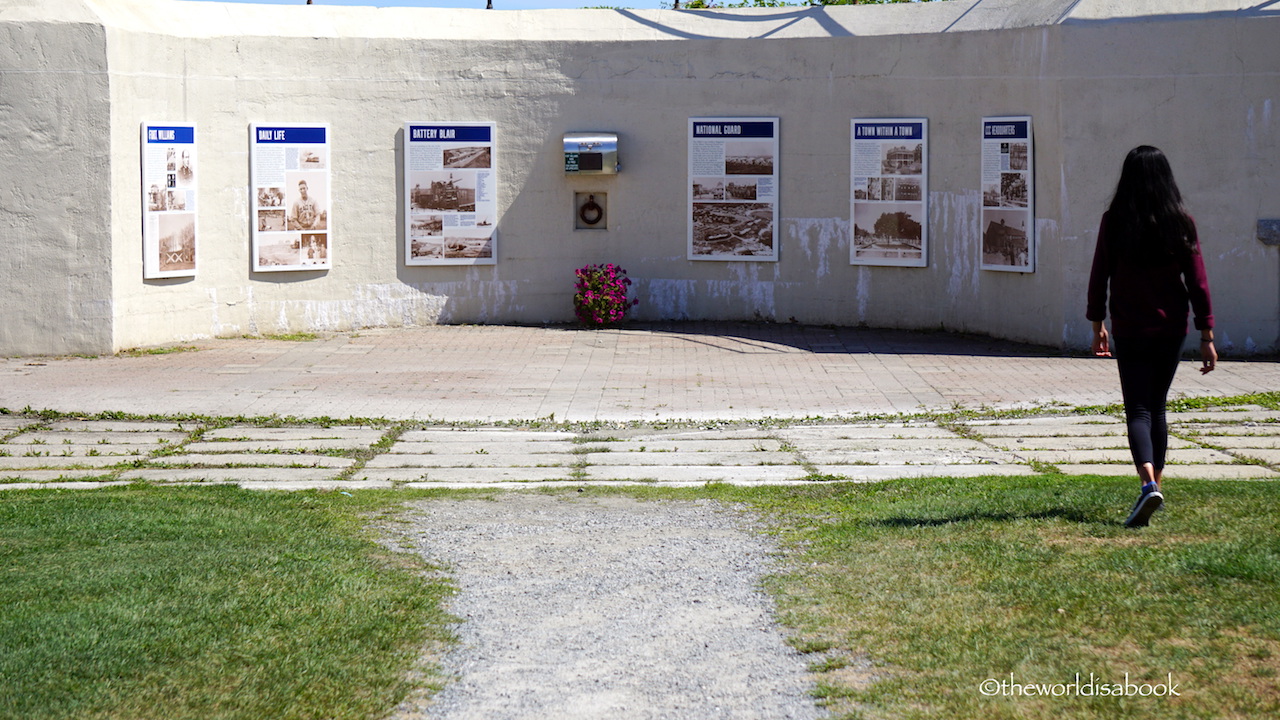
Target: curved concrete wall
1196 77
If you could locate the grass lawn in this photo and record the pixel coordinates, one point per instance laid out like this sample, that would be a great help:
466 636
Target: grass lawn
220 603
910 594
204 603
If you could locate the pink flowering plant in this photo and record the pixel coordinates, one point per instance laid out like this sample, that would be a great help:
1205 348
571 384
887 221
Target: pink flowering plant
601 297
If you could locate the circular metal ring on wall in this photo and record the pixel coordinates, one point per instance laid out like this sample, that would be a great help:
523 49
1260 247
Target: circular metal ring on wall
591 212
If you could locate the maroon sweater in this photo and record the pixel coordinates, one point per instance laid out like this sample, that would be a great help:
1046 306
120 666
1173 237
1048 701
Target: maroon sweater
1148 300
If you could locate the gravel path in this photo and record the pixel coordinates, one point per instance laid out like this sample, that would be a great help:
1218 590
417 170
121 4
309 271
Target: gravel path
608 608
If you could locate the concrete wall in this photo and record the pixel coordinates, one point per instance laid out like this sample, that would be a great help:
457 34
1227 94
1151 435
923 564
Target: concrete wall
1196 77
55 188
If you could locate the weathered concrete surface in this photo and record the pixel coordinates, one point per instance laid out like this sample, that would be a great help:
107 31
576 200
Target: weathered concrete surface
1196 77
56 190
804 456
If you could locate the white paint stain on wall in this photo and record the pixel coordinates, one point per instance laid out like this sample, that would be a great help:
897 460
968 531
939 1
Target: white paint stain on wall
864 292
820 239
664 298
372 305
954 219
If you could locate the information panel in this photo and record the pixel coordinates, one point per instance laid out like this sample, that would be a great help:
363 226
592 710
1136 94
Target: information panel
451 199
168 200
1008 197
889 192
290 193
733 189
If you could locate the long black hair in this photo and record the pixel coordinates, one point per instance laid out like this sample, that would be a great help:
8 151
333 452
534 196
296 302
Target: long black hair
1147 218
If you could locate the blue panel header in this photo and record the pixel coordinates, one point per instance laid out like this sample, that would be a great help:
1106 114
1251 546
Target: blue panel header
732 129
290 135
888 131
449 133
176 135
1005 129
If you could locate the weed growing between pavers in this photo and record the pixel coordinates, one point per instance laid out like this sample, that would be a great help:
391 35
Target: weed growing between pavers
210 603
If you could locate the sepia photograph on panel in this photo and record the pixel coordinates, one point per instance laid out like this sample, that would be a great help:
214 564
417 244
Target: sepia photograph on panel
733 229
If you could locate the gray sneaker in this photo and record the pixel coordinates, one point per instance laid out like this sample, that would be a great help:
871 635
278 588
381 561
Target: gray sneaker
1148 502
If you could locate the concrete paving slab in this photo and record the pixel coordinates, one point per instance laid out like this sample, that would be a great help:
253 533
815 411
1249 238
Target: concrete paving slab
764 482
729 445
64 450
470 476
520 485
648 459
122 426
696 473
833 433
294 485
867 473
1219 472
232 475
252 459
1215 429
9 424
352 436
1197 456
911 457
9 475
518 447
60 437
678 436
1054 429
1267 455
1179 472
1074 443
1077 457
1241 441
55 462
474 460
268 446
1241 414
486 435
1052 420
954 443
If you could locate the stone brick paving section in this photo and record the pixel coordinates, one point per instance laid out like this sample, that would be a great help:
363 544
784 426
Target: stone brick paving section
726 371
1242 444
414 384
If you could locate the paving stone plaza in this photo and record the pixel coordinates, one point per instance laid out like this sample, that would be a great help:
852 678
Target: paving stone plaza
680 404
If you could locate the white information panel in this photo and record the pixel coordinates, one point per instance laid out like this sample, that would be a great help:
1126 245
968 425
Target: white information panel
168 200
451 199
733 188
1008 208
290 195
889 192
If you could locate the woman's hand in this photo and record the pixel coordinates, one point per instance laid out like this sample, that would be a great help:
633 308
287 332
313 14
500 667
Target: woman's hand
1208 357
1101 345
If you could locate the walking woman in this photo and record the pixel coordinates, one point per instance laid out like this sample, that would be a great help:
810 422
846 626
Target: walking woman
1149 257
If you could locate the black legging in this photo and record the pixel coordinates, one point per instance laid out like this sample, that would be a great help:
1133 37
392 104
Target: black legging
1147 366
